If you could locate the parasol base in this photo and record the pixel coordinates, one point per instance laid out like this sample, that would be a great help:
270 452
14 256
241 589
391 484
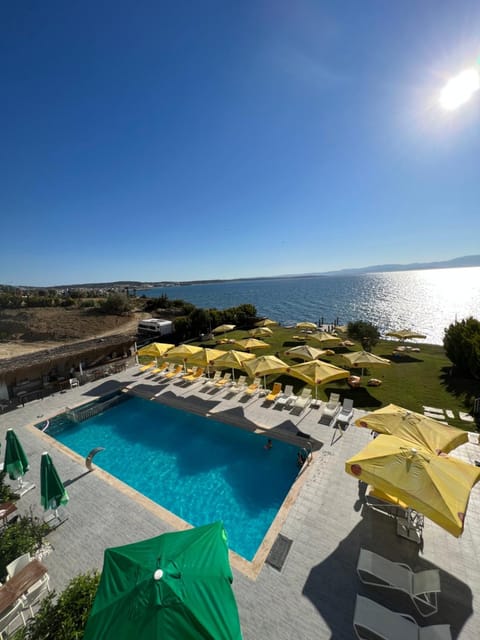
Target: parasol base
24 488
56 518
408 529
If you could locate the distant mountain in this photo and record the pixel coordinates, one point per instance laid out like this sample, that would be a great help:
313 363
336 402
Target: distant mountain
464 261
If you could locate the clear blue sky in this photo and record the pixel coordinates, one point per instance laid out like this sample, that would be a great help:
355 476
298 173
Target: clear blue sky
150 140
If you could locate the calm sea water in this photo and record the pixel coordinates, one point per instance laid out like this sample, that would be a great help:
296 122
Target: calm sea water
426 301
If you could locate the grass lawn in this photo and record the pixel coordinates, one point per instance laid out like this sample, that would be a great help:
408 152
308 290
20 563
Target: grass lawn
411 381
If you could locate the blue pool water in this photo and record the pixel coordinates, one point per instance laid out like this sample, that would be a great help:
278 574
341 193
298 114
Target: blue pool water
197 468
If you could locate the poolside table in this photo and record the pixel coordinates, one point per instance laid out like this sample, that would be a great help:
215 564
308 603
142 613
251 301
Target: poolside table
17 586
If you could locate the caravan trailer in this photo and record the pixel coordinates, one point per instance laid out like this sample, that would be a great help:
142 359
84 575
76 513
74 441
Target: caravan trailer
155 326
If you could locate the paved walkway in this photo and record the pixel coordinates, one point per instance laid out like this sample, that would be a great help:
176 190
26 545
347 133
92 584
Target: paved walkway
313 596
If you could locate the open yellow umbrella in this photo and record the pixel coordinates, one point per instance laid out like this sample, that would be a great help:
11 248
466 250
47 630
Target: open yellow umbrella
363 359
183 351
438 486
233 359
264 366
223 328
306 325
317 372
266 322
205 357
414 427
406 334
155 349
260 331
325 339
305 352
251 343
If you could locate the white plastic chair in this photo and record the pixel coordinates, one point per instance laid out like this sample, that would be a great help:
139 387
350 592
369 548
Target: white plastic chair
17 565
35 593
11 616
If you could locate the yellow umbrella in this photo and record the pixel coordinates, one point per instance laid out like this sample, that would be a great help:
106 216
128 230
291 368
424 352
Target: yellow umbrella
233 359
155 349
306 325
363 359
266 322
306 352
205 357
264 366
260 331
251 343
405 334
223 328
437 486
183 351
317 372
325 338
414 427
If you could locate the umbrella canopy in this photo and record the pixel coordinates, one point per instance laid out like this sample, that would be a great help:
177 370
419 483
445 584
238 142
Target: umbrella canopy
437 486
405 334
260 331
306 325
266 322
414 427
233 359
362 359
52 491
176 585
16 462
251 343
317 372
264 366
183 351
223 328
305 351
155 349
205 356
325 338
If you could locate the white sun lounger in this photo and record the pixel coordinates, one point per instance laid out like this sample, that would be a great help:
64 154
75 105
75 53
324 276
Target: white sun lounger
346 412
286 397
303 399
369 616
421 586
330 409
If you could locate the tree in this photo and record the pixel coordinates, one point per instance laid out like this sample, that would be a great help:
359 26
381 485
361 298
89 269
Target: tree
366 332
116 304
462 346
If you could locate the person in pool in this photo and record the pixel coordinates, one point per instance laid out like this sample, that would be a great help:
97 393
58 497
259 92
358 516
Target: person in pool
269 444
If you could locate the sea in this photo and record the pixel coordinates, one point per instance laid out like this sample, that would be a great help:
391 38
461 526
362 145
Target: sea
426 301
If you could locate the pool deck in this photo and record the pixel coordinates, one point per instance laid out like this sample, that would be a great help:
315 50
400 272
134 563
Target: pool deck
313 596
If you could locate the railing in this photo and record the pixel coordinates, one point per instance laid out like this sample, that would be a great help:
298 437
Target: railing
81 414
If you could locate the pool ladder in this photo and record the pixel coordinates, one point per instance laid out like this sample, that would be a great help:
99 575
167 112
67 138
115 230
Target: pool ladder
307 452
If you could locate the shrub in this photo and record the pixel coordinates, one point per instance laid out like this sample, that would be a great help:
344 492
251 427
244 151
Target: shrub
366 332
462 346
7 494
116 304
64 618
24 535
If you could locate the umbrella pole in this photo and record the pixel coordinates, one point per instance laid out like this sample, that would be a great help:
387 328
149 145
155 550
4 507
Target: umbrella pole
24 487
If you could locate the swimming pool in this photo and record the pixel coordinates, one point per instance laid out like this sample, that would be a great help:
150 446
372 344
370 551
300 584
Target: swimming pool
200 469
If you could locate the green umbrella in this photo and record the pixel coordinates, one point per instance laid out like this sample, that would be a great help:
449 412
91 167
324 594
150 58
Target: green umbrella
16 462
176 585
52 491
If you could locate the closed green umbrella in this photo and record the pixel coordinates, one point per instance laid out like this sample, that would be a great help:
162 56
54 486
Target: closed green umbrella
16 462
52 491
174 586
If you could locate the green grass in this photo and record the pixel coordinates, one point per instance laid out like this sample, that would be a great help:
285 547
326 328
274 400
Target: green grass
411 381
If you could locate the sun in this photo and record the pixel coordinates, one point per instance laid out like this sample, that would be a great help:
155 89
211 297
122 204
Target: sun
460 89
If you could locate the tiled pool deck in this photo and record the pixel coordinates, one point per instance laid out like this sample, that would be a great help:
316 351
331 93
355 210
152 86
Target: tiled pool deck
313 596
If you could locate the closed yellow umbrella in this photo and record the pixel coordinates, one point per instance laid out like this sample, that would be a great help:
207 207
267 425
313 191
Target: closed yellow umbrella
317 372
155 349
251 343
233 359
264 366
414 427
438 486
306 352
260 331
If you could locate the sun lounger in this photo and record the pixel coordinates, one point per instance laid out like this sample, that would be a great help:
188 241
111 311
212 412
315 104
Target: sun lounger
466 417
174 372
226 379
422 587
370 617
161 368
285 398
303 399
253 388
239 384
275 392
198 373
330 409
346 412
146 367
210 382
